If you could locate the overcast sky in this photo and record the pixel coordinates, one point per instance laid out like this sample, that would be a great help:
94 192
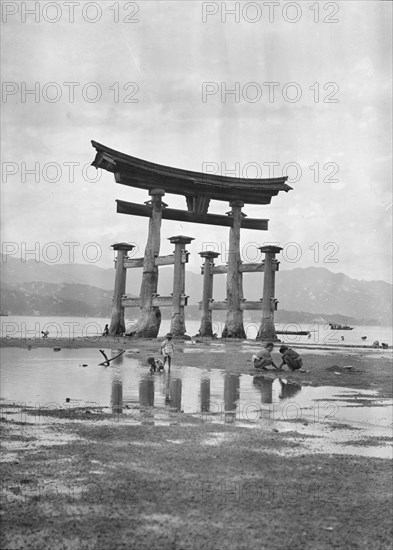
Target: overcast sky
138 86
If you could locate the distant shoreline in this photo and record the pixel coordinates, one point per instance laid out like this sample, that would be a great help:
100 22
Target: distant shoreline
295 317
117 342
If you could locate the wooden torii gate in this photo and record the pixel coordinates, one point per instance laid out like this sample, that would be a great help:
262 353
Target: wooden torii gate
149 300
198 188
267 304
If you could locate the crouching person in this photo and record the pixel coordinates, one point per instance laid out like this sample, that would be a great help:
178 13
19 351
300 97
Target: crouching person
263 358
290 358
156 365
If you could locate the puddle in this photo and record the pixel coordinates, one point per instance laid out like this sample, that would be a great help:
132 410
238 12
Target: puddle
37 383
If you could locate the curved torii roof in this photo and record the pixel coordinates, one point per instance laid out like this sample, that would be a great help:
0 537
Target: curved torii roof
197 187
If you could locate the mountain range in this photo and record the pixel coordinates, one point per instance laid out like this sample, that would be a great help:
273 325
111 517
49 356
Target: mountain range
30 287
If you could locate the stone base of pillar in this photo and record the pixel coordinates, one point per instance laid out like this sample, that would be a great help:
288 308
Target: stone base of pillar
267 332
206 329
178 327
117 326
234 326
149 323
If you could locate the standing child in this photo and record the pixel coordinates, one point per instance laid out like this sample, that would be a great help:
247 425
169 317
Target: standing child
167 349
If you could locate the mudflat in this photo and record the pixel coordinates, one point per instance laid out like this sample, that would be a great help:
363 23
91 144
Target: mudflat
371 368
97 482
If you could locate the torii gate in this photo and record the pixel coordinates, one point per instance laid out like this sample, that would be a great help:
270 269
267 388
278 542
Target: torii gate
267 304
198 188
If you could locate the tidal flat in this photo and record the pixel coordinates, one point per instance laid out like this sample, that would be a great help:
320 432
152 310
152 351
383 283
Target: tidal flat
167 461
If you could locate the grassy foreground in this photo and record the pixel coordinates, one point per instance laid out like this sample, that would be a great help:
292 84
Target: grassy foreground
190 485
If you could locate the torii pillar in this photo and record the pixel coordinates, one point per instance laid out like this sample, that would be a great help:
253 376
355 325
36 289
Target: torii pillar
269 303
117 325
178 326
150 317
234 322
206 328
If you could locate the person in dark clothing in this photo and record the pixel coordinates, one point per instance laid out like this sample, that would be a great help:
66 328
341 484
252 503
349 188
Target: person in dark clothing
290 358
106 331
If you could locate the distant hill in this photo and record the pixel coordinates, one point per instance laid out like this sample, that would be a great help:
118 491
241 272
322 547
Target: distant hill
88 289
14 270
39 298
318 290
284 316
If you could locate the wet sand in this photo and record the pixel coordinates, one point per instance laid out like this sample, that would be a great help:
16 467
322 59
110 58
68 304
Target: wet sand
89 484
187 486
324 366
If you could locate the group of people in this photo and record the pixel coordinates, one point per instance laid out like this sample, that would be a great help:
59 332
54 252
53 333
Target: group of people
289 357
261 360
383 345
167 350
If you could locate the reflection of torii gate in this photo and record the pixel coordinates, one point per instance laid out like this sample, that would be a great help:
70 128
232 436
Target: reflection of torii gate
199 189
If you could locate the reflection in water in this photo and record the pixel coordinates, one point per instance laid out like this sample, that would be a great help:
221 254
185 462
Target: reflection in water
205 394
175 394
265 386
173 391
119 360
289 389
231 395
117 392
31 378
167 388
146 392
146 399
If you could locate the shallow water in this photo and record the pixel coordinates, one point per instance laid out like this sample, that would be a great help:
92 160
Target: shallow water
47 380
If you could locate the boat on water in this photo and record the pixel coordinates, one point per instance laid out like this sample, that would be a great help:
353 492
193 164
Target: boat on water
337 326
294 332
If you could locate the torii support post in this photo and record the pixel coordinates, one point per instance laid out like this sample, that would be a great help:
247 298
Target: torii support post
178 327
150 316
234 322
266 330
206 328
117 325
